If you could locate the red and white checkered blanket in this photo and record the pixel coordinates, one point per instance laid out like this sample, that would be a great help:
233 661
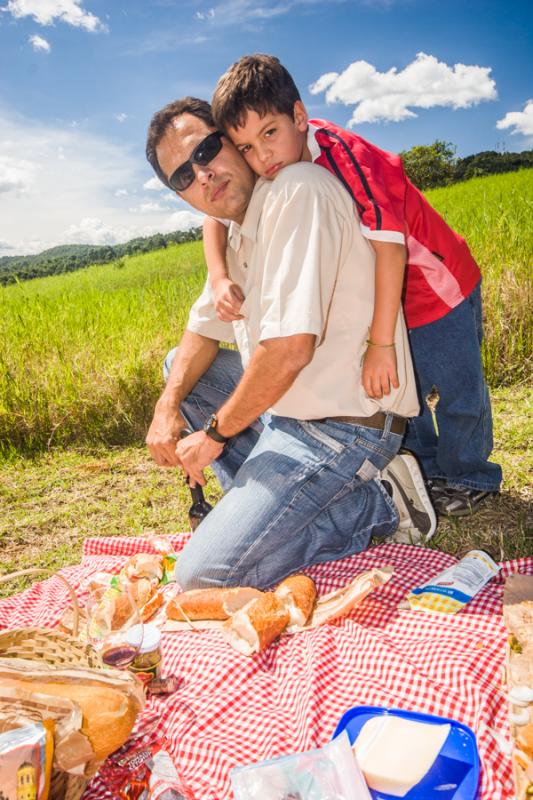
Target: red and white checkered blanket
235 710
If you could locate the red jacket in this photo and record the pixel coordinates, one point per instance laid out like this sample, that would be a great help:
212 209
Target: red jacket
440 270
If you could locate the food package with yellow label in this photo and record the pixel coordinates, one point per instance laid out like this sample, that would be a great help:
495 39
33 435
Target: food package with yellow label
449 591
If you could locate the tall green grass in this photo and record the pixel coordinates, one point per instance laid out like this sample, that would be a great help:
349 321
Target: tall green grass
80 354
495 215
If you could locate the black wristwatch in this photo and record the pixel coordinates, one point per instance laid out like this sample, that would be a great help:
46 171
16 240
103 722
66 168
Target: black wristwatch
210 428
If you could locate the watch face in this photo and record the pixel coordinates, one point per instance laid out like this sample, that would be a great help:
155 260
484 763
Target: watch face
210 423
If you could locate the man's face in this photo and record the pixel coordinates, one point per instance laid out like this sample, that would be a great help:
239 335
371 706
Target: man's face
224 186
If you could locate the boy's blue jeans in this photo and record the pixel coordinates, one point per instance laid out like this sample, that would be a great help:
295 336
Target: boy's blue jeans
447 354
296 493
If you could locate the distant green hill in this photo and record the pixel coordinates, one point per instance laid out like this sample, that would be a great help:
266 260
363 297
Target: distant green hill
71 257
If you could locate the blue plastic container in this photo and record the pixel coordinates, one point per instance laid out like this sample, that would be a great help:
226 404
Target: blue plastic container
455 772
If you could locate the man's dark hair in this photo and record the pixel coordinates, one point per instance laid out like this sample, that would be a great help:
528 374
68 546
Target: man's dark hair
257 83
163 119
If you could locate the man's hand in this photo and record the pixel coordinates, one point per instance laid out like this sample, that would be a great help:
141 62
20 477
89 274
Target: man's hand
228 299
194 453
164 434
379 371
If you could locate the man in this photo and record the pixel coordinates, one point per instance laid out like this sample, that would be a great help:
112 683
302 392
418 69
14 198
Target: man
301 482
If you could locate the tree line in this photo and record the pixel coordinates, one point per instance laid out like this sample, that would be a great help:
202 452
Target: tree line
69 258
429 166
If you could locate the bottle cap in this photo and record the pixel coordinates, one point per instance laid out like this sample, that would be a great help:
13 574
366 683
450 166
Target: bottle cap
149 634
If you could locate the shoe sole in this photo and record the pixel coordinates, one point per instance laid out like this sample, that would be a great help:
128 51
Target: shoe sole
421 519
424 520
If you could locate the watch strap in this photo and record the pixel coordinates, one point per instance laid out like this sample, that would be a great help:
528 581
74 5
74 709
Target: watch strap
210 429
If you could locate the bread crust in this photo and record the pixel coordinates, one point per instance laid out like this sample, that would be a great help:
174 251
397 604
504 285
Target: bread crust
218 604
298 594
256 625
108 713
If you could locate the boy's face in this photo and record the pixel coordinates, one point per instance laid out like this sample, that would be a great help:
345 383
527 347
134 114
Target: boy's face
271 142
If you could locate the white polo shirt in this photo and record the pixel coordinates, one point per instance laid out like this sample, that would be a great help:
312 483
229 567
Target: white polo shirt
305 267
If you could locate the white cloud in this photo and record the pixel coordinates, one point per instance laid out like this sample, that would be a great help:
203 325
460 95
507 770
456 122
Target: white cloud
65 189
154 185
45 12
121 117
38 43
521 121
16 174
424 83
92 230
148 207
205 15
239 12
181 221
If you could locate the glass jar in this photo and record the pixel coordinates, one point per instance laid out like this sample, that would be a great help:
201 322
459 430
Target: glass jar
147 663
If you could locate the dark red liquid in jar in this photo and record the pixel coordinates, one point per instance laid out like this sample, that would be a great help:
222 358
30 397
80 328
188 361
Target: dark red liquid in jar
119 656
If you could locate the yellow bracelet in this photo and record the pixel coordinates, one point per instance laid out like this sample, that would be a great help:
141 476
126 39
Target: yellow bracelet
374 344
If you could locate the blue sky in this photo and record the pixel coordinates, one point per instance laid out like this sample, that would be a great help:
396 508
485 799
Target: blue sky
79 80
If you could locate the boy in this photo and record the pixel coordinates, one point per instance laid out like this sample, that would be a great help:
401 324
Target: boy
418 259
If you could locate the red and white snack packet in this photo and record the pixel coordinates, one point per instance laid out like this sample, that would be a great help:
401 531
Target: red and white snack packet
143 770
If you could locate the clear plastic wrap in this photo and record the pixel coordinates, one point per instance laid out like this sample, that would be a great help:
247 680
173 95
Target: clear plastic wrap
328 773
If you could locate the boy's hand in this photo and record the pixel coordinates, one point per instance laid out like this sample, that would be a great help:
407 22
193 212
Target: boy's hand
228 300
380 373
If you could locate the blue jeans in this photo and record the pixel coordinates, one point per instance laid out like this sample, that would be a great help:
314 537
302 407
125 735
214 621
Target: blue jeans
296 493
447 355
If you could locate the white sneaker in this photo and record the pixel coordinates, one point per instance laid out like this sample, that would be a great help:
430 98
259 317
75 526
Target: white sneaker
418 521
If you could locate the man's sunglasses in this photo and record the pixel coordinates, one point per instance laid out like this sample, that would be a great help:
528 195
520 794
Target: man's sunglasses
202 154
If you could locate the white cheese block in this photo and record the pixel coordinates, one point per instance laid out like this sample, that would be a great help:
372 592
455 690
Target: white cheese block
396 753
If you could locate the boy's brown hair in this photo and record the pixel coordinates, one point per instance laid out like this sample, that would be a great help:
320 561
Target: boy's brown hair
257 83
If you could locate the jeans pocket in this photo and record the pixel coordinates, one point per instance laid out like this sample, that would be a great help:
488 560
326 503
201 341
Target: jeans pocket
367 471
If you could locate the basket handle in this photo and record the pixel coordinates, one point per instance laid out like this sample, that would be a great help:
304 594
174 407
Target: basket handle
51 573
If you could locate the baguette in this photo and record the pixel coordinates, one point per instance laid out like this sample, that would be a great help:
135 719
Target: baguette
255 626
210 603
109 704
298 594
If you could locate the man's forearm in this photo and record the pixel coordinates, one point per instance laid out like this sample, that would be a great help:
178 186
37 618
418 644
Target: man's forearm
272 370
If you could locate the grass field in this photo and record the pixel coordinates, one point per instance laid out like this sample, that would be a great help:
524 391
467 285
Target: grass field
81 353
52 502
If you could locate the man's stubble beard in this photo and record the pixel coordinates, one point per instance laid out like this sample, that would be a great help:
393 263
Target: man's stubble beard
236 199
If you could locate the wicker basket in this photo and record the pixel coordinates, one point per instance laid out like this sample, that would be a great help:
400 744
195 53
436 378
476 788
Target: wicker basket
59 650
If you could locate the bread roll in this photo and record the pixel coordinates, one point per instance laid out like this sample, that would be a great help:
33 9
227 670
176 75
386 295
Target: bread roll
255 626
151 606
145 565
109 705
210 603
298 594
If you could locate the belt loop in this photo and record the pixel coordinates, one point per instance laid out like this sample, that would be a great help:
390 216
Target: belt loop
388 422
